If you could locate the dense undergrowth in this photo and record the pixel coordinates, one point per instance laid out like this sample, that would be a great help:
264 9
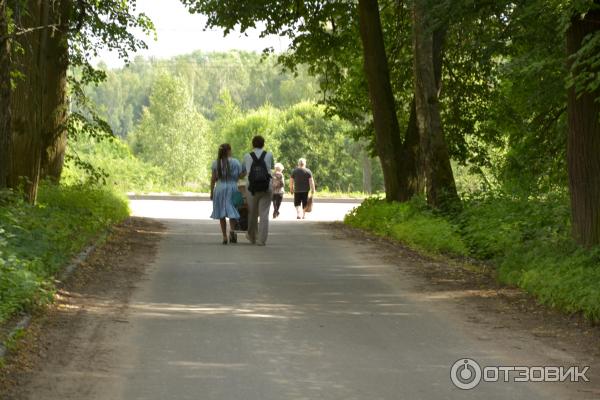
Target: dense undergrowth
528 240
36 241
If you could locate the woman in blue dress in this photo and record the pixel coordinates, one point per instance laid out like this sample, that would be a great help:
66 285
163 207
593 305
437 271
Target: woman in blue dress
225 174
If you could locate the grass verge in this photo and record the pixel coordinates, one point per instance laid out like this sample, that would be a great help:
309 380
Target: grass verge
37 241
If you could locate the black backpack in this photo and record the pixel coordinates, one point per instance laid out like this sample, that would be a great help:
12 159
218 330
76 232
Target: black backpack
259 176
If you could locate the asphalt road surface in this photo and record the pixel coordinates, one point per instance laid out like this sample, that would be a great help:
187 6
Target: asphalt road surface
309 316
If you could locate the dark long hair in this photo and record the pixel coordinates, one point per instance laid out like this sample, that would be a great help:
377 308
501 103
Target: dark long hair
223 161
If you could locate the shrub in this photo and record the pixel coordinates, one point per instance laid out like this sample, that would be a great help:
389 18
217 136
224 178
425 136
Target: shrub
411 223
36 241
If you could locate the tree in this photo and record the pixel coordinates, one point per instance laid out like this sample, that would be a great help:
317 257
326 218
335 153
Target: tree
26 106
319 32
265 121
388 141
583 150
307 132
250 80
54 91
51 35
5 98
428 55
225 111
172 134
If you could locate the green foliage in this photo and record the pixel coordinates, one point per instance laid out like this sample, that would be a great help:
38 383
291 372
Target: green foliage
562 276
334 158
113 162
302 130
265 121
36 241
172 135
173 144
495 225
411 223
246 78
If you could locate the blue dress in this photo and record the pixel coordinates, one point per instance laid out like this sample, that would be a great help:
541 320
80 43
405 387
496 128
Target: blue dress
224 189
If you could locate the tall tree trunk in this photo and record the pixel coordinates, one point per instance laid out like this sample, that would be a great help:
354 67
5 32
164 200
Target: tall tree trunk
428 54
5 97
367 172
583 146
412 164
27 101
387 130
54 117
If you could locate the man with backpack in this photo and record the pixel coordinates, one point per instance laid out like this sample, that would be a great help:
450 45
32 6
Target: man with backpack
258 165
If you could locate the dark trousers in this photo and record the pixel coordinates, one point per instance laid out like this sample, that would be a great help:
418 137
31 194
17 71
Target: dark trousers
277 199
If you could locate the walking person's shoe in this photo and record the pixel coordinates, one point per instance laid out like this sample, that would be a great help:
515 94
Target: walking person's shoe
250 240
232 237
224 240
274 214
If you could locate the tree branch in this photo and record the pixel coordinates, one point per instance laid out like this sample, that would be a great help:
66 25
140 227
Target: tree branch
15 35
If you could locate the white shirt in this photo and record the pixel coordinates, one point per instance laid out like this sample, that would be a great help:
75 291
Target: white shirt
247 164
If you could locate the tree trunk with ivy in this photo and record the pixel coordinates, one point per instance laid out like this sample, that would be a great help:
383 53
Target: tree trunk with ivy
428 54
5 98
54 118
583 146
389 145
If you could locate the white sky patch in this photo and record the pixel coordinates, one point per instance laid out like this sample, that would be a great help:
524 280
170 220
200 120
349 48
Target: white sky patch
180 32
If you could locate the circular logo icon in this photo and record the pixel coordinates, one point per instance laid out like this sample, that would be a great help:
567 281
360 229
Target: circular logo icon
465 374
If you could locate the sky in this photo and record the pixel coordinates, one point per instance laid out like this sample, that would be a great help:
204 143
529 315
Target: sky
179 32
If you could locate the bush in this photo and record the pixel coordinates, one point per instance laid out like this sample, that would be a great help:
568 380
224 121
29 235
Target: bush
36 241
411 223
113 157
495 225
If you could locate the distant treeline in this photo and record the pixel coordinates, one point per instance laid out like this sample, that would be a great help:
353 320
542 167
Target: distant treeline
251 79
173 114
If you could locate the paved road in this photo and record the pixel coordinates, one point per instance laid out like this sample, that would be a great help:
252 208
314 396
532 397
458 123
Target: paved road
307 317
187 209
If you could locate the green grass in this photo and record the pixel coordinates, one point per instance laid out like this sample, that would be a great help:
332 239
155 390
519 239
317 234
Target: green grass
527 239
411 223
328 194
37 241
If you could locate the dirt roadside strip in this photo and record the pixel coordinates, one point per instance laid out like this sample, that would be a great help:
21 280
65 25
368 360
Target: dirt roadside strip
90 299
496 312
24 321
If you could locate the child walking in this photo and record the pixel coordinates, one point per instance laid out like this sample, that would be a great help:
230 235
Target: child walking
278 188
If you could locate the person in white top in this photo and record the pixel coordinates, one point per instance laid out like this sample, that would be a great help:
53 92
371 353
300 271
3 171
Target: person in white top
278 188
258 165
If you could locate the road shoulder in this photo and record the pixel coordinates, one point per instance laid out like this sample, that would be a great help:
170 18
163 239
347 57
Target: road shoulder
489 312
80 328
